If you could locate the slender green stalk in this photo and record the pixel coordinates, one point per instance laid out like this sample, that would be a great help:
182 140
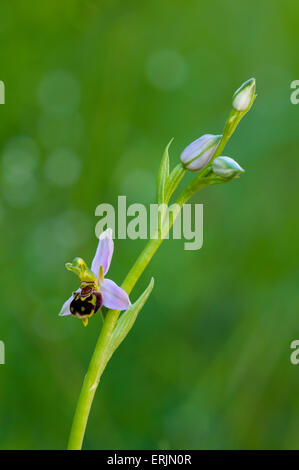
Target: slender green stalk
140 264
90 383
101 354
99 359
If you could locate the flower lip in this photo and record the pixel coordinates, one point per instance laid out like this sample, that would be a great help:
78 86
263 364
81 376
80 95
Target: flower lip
85 306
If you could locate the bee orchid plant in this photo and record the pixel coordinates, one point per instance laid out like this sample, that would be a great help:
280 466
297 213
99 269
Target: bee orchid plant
204 158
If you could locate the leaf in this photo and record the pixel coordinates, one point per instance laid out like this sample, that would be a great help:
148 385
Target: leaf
127 320
173 181
163 176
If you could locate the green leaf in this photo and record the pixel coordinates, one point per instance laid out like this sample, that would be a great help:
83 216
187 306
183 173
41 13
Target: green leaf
163 176
127 320
173 181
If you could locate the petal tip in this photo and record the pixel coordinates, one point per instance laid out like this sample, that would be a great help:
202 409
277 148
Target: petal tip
107 234
64 313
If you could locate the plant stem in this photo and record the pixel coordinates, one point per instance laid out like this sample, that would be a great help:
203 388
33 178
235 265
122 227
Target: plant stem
99 360
140 264
90 383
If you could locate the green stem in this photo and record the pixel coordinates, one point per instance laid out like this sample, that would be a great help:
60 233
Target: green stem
99 359
90 383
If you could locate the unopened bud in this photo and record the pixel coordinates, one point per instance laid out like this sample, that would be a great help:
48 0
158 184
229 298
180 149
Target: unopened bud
244 95
226 167
198 154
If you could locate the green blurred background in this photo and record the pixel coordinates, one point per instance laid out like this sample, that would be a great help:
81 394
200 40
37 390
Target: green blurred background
94 92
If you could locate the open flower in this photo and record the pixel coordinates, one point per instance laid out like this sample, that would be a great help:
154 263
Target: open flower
95 290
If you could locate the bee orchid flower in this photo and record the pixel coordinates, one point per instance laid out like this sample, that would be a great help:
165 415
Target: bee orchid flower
95 290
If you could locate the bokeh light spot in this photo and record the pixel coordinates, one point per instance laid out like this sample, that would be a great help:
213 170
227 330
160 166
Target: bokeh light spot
59 132
59 93
166 70
138 185
19 163
63 167
53 240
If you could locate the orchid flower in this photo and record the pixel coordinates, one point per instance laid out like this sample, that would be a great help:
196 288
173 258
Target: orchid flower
95 290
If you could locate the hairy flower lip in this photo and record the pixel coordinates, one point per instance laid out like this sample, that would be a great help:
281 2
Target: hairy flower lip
93 280
86 305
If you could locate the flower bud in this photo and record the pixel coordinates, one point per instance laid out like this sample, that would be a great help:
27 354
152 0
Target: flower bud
244 95
226 167
198 154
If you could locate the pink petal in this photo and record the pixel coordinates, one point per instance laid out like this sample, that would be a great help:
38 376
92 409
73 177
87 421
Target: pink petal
66 308
114 296
104 253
